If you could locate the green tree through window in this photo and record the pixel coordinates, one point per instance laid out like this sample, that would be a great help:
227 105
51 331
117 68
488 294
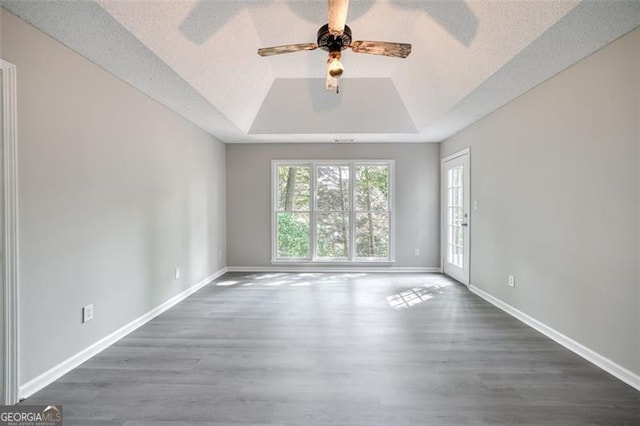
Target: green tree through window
293 212
343 207
372 211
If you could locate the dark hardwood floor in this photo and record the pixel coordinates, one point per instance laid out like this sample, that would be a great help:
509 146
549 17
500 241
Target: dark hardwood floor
339 349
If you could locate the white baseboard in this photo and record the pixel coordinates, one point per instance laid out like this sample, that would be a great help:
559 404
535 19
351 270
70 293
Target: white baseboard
590 355
332 269
53 374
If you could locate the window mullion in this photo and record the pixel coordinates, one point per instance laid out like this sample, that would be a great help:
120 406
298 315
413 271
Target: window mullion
352 212
274 211
312 216
391 193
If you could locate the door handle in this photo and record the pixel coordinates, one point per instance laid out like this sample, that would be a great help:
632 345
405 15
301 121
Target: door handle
464 224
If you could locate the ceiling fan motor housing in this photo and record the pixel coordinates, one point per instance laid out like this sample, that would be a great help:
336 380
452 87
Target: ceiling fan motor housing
331 43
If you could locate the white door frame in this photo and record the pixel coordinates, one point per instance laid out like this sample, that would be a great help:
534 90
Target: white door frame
9 231
443 212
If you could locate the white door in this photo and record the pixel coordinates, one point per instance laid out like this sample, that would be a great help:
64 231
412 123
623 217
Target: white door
455 215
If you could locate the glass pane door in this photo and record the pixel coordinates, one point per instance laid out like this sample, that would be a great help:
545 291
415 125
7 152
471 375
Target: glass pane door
455 216
456 185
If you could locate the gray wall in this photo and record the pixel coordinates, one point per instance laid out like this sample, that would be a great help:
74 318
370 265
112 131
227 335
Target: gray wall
249 196
115 192
557 176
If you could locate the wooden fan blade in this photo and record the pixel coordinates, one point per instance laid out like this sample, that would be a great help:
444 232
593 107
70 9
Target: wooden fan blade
397 50
289 48
337 16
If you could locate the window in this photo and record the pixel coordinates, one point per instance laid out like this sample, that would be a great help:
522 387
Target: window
332 211
293 212
372 211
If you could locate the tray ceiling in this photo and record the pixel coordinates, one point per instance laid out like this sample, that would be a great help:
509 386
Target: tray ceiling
199 59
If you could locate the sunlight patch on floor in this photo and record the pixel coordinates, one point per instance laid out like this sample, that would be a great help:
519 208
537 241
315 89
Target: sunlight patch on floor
275 283
301 284
415 295
354 275
226 283
267 276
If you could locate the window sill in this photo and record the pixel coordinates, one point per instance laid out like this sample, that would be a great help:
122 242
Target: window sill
375 263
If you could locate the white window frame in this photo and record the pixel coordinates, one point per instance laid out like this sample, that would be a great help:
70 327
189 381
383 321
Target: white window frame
314 259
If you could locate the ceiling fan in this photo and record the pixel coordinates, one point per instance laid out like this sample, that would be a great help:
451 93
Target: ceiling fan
334 37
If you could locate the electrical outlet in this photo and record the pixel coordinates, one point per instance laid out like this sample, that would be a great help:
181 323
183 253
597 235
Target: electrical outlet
512 281
177 273
416 252
87 313
219 254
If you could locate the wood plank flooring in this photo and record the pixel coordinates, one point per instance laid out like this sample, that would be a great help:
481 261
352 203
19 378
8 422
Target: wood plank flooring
338 349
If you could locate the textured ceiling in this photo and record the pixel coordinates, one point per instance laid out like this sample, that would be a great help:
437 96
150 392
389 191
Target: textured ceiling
199 58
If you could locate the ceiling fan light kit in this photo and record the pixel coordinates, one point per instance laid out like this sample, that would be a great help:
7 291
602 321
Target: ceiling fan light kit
334 37
334 70
334 66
